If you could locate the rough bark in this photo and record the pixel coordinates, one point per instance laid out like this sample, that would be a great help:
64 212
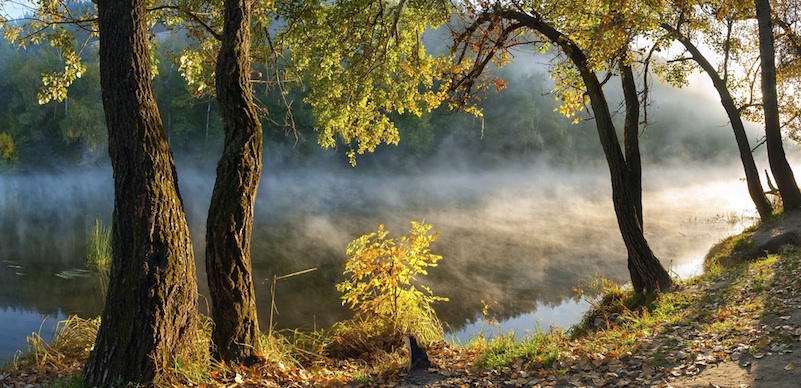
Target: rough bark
631 147
230 218
152 296
631 138
646 272
752 179
785 180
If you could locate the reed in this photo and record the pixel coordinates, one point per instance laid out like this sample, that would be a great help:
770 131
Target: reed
99 252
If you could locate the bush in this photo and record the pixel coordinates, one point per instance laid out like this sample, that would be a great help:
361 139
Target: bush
383 290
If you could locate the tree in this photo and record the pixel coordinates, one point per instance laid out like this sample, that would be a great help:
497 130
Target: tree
152 297
752 179
34 128
785 180
230 218
389 56
631 138
394 87
647 274
494 29
8 152
787 17
728 28
382 285
392 61
362 61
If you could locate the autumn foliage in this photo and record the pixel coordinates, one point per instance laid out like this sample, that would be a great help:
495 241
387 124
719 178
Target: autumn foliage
383 290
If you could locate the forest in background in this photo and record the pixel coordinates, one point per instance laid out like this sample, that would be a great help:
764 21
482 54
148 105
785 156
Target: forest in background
521 123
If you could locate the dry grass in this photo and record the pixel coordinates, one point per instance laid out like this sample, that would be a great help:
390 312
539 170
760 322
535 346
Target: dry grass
61 358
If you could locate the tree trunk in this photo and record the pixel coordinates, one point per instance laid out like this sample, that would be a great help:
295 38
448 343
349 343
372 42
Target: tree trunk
647 273
230 219
631 146
151 304
791 196
631 138
752 179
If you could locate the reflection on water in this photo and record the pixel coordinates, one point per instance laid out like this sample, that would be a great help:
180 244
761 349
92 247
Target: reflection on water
44 225
519 239
542 317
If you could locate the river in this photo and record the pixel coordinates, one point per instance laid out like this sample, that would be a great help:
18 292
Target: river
518 239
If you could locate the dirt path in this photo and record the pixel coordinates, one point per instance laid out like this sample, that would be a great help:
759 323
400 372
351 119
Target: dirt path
775 360
777 366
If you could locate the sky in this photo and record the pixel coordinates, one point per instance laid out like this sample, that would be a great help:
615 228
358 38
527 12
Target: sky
15 8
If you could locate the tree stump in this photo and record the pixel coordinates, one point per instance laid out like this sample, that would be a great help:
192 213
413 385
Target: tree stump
418 359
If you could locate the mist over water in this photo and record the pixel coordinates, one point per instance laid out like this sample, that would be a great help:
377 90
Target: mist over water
519 238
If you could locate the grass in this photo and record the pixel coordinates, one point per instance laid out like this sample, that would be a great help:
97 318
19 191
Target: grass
312 352
290 355
99 251
297 355
610 305
369 344
191 367
730 250
71 342
361 378
540 349
722 302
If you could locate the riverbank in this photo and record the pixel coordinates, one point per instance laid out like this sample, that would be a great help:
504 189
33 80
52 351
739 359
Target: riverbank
732 327
739 324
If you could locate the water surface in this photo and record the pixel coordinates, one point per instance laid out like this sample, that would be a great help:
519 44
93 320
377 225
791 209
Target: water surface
518 239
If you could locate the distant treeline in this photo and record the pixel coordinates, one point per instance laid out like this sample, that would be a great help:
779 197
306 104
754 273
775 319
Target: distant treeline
520 124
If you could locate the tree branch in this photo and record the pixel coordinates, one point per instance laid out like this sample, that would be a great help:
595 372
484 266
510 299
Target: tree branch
192 16
681 59
463 86
795 40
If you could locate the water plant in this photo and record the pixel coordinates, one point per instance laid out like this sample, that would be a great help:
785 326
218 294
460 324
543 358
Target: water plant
99 251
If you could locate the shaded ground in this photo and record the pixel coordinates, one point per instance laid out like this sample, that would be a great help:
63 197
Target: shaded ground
738 327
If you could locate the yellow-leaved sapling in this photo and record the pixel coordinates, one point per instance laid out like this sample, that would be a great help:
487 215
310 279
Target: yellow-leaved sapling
383 289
